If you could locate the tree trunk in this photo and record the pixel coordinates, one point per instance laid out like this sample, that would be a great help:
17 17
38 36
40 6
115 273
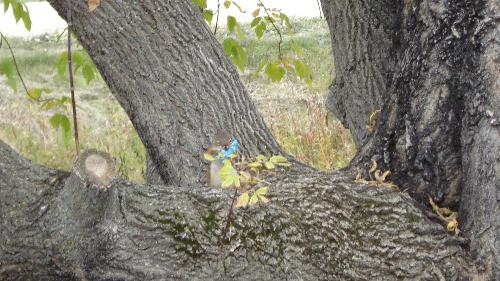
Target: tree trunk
434 64
317 226
172 77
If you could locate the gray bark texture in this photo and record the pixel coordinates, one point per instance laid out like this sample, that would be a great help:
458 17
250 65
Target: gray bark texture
317 226
431 66
173 79
435 67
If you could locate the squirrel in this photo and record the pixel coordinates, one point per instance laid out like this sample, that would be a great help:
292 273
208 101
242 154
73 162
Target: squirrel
221 140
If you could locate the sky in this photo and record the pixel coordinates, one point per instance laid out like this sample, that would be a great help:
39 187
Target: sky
46 20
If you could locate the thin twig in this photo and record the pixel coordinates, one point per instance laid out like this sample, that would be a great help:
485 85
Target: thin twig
15 62
275 27
217 19
71 82
228 220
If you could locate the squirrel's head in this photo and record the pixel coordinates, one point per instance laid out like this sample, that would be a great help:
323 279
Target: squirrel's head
222 138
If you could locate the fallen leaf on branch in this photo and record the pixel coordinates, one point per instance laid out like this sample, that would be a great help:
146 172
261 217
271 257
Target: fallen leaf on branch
93 4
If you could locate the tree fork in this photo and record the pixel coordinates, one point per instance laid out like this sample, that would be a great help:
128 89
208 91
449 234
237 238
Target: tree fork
433 66
181 88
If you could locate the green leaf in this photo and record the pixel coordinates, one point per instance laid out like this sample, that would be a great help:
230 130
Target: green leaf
64 100
61 121
256 12
285 19
261 157
17 10
255 21
303 70
62 63
242 200
269 165
200 3
88 72
208 15
275 71
7 69
227 3
262 190
78 60
36 93
259 30
260 193
209 157
241 34
48 104
297 49
236 53
229 175
231 23
6 5
26 18
269 19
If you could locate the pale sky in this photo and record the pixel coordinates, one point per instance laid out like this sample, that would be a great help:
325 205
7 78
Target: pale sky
46 20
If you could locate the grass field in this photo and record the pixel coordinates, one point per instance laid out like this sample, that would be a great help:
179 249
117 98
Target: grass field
294 111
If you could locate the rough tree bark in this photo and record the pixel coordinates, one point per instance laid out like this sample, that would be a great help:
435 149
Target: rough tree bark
435 67
318 226
174 81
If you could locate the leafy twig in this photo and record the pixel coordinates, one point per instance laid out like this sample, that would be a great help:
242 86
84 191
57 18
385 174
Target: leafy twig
217 18
275 27
71 82
15 62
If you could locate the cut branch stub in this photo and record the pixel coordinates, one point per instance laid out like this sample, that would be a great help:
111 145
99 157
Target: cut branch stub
95 168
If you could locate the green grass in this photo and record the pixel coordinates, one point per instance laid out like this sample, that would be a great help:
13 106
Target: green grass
295 112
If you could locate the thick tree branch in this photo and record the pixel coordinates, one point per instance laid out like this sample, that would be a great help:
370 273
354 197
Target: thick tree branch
316 227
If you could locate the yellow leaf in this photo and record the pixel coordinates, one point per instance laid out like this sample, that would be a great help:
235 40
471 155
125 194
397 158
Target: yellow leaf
253 199
93 4
255 165
245 175
263 198
256 12
278 159
373 120
261 157
242 200
208 157
262 190
374 167
380 177
452 226
269 165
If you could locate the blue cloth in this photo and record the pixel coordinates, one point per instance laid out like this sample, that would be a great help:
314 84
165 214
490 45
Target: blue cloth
230 150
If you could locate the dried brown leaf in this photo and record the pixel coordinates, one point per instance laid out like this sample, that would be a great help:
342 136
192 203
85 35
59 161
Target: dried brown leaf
93 4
